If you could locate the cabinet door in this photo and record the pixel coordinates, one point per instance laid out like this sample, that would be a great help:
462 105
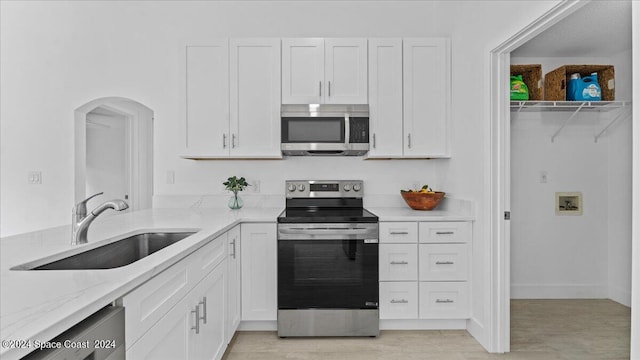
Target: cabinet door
172 337
233 283
444 300
398 262
345 69
398 232
443 262
210 296
302 71
255 97
207 118
399 300
385 97
426 66
259 282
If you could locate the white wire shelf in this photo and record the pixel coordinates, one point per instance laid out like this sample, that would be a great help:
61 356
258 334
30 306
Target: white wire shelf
587 106
575 107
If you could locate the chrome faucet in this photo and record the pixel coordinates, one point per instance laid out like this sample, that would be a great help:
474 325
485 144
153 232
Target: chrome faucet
81 220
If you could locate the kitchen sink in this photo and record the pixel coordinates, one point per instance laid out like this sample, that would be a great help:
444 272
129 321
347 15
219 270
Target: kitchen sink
113 255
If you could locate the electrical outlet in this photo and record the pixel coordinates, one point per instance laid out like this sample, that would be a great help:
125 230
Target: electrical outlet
171 177
255 186
34 177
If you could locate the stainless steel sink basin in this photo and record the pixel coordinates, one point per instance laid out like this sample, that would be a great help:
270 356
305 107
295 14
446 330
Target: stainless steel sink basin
116 254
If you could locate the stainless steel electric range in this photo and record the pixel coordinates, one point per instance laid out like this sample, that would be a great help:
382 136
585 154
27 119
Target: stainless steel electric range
327 261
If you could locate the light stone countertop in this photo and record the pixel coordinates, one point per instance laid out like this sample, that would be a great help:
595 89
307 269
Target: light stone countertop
39 305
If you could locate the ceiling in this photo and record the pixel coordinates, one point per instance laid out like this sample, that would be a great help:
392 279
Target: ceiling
599 29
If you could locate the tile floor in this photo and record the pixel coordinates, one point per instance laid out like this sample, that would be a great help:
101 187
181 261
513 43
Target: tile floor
540 330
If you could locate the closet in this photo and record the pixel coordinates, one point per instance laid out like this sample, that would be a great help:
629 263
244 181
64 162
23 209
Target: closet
571 167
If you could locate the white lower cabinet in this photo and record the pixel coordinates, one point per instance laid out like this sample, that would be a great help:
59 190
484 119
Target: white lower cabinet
182 313
259 269
444 300
443 262
233 283
193 329
398 262
399 300
424 270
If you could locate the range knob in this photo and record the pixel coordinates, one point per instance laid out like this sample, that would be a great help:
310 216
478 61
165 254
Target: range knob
301 187
357 187
347 187
291 187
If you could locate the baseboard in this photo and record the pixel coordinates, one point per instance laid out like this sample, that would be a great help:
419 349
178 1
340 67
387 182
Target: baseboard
262 325
558 291
418 324
621 296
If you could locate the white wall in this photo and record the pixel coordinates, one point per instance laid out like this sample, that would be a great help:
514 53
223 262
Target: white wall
635 235
107 151
56 56
620 187
584 256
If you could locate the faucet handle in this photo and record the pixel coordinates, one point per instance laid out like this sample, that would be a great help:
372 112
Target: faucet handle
81 208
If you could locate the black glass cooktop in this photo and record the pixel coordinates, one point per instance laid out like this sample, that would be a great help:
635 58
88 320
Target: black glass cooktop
327 215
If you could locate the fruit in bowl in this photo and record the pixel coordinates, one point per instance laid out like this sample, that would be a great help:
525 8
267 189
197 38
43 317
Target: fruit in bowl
423 199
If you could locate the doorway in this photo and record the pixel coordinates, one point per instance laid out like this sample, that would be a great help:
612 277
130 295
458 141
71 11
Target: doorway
108 155
114 152
504 165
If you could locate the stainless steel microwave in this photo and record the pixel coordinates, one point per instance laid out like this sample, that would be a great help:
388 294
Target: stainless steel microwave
324 129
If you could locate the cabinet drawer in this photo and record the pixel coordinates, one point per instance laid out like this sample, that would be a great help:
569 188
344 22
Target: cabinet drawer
444 300
398 300
398 262
443 262
147 304
445 232
398 232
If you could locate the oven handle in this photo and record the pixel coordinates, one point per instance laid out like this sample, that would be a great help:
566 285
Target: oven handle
325 231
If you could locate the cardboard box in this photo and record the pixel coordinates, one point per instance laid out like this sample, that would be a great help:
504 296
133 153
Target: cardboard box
555 82
532 76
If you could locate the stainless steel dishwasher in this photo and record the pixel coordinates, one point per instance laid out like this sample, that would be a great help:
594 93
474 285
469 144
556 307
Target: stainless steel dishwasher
98 337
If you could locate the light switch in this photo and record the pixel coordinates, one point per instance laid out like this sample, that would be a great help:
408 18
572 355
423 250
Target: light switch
34 177
171 177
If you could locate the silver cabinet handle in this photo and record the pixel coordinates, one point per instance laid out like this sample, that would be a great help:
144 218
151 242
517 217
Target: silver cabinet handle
329 91
444 262
233 244
204 309
374 140
320 88
224 141
399 263
409 141
399 233
197 312
401 301
233 140
444 233
445 301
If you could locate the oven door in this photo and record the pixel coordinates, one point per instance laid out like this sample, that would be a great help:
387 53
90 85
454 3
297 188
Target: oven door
327 266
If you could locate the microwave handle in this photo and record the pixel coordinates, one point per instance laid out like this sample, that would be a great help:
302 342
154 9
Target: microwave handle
346 129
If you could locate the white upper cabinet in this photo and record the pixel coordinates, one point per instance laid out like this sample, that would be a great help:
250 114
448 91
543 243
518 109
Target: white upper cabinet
385 97
207 122
302 71
233 99
427 97
255 97
324 71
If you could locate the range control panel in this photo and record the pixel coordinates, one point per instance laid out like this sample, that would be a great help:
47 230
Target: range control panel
324 189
